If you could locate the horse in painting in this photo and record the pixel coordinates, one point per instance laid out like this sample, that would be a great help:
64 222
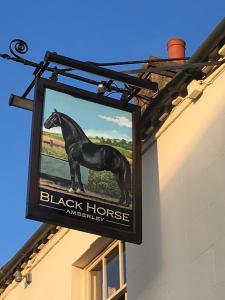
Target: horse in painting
82 152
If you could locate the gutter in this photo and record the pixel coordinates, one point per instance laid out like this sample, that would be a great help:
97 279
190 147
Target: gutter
162 102
213 40
39 237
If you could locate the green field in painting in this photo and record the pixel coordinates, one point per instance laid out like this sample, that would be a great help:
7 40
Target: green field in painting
123 146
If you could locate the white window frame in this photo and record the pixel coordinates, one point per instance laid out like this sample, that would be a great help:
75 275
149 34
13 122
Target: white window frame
102 258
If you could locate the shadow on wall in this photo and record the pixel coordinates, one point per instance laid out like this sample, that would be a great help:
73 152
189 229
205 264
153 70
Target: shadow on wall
147 270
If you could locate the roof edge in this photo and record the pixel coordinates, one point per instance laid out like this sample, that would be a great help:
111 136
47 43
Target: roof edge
39 236
182 78
213 39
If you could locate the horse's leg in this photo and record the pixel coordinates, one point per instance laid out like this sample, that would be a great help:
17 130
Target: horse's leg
77 172
72 176
124 181
127 184
127 201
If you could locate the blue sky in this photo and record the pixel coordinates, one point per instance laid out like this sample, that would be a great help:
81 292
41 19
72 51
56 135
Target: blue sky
98 31
95 119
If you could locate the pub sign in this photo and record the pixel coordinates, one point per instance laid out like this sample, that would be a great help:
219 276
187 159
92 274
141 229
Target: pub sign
85 162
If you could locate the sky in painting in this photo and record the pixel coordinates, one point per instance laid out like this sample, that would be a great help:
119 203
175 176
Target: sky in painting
95 119
100 31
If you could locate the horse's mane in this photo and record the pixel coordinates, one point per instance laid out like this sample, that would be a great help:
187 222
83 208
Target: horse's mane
79 129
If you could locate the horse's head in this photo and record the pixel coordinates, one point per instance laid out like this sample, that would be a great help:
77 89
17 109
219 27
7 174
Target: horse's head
53 120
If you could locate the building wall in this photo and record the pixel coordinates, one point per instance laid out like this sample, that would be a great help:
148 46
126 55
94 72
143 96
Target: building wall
53 273
183 250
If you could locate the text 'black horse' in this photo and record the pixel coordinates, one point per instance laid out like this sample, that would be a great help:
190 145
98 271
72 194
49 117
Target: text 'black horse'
81 151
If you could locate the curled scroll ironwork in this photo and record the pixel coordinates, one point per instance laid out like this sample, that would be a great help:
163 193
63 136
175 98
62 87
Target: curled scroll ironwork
18 46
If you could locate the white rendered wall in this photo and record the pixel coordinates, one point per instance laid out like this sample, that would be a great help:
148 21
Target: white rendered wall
53 275
183 252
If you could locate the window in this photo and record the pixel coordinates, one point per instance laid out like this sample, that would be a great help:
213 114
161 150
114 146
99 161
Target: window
106 275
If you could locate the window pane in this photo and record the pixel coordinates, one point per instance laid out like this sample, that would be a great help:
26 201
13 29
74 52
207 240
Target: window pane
96 282
112 270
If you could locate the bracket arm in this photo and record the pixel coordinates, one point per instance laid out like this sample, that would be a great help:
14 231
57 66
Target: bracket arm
92 68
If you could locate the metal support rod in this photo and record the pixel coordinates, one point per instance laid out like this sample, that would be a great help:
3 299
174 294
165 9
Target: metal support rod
176 67
37 73
63 73
146 98
92 68
137 90
133 62
50 69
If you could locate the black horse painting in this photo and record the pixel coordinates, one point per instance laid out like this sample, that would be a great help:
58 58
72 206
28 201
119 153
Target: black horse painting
81 151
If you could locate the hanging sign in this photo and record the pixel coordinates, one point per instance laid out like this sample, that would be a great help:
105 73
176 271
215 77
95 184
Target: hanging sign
85 162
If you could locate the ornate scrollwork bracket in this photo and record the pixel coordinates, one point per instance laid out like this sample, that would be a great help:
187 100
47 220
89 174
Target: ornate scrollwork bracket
18 46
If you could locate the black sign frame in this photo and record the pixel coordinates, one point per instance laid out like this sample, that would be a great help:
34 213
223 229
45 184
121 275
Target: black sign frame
83 221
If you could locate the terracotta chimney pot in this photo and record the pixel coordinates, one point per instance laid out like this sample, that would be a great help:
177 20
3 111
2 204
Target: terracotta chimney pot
176 49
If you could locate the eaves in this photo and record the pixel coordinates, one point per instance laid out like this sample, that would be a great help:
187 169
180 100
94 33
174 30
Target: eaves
162 103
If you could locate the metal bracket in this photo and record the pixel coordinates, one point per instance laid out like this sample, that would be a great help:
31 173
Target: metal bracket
103 72
132 84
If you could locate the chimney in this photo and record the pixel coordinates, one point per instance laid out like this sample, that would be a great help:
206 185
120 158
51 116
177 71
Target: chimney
176 49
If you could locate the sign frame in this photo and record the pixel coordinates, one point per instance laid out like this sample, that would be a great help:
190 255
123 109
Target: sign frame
36 212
